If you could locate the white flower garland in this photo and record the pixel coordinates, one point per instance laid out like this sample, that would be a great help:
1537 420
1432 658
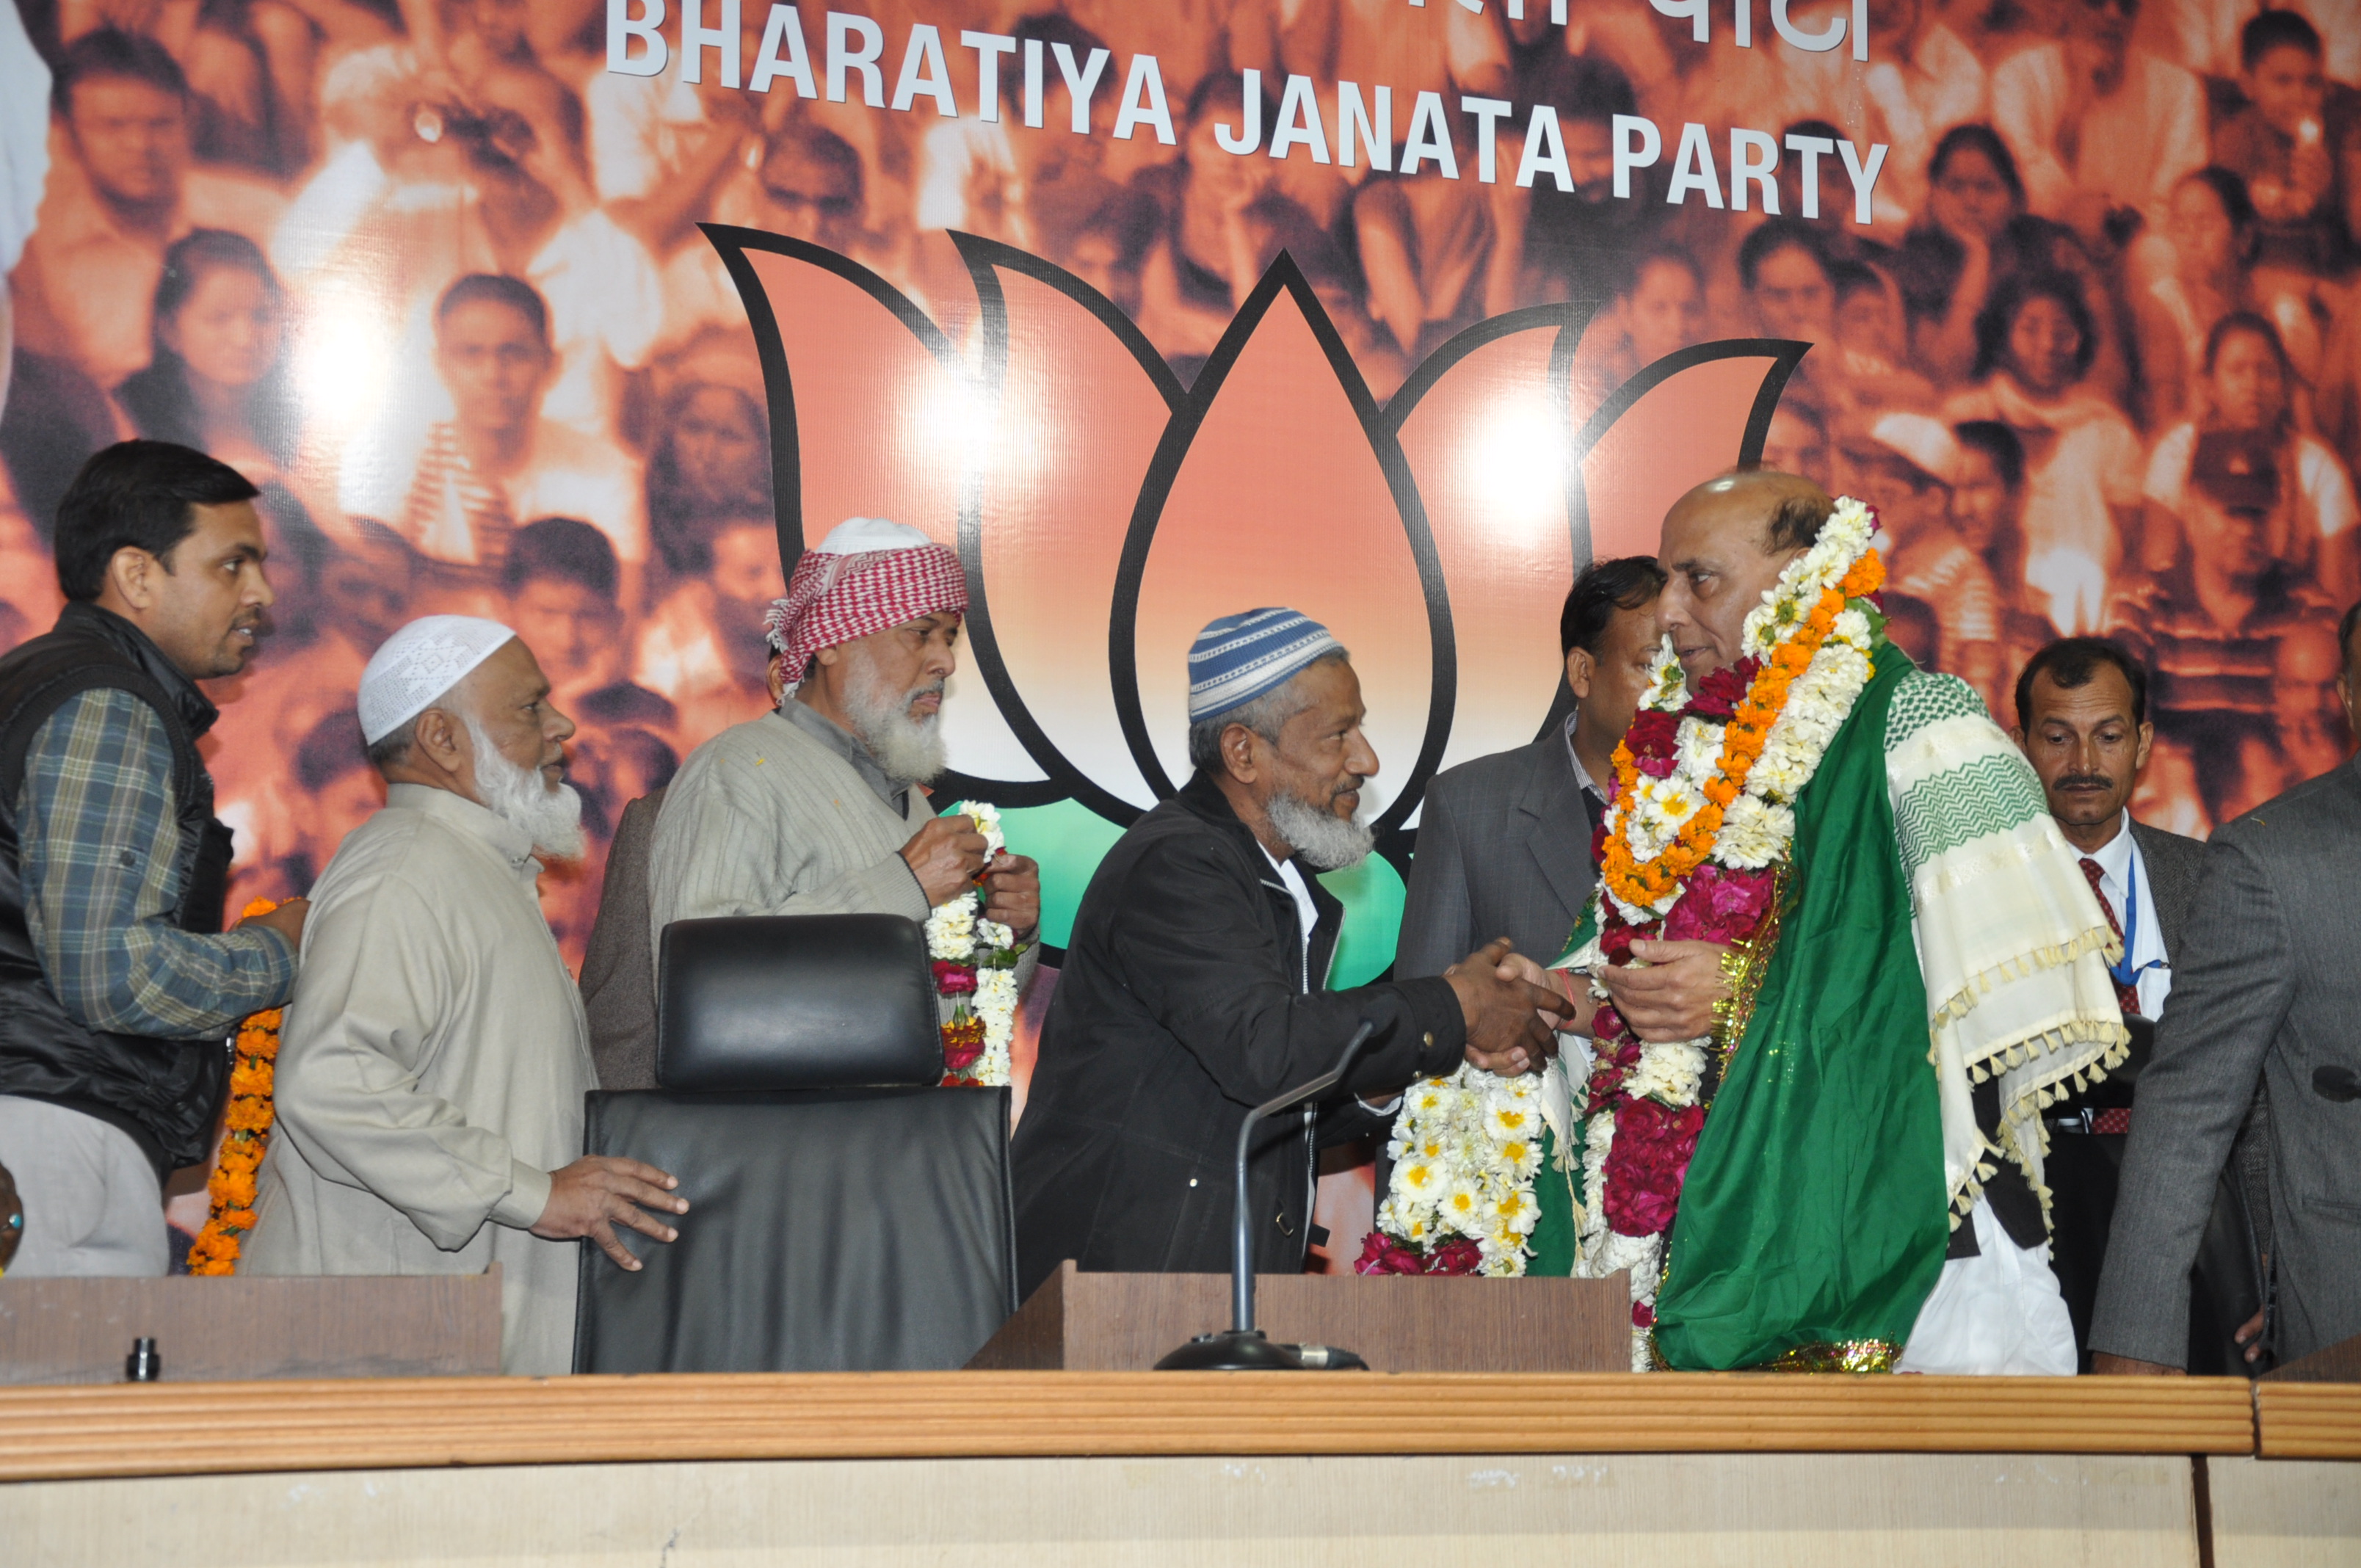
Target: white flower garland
957 933
1465 1149
1673 1074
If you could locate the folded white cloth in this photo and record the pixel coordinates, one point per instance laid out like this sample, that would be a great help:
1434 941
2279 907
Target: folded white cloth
1997 1314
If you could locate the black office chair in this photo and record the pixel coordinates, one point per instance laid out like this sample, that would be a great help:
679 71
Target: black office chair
845 1213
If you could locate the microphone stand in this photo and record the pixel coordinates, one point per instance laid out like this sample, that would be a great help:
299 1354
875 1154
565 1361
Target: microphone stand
1243 1347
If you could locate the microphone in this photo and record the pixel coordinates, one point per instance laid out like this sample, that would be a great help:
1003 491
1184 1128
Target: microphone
1243 1347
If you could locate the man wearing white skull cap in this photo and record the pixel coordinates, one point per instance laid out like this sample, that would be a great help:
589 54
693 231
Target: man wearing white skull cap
431 1069
821 806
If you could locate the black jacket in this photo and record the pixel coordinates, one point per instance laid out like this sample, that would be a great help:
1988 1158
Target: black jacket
163 1092
1181 1005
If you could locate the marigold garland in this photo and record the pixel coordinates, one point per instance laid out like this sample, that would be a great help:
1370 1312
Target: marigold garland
247 1136
1648 882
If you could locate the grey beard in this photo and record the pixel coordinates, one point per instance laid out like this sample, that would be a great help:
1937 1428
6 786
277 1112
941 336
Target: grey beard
910 750
550 816
1324 840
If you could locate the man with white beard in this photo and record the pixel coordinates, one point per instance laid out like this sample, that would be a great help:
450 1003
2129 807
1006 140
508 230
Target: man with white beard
1197 984
432 1065
819 808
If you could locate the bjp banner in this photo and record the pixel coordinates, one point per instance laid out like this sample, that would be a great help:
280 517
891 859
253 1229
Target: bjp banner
590 316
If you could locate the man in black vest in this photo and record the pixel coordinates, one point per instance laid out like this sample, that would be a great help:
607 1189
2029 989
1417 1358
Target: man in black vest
117 986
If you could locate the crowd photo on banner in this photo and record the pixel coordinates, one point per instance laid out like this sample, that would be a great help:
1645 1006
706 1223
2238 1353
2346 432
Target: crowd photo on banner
2079 280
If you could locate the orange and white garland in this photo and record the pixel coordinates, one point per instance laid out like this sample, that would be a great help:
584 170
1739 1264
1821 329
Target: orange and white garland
245 1136
1725 795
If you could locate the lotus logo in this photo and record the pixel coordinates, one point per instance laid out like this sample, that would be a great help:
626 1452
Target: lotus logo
1104 512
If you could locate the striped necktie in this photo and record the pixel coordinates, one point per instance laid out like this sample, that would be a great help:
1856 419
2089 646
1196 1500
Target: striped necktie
2126 996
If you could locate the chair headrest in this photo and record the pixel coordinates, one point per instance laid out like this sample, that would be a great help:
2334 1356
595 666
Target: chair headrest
795 1002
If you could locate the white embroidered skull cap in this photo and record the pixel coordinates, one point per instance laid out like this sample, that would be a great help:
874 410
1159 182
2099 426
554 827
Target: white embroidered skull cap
418 663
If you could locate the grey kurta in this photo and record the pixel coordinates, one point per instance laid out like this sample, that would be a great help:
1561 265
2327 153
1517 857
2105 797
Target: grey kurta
771 818
764 818
431 1071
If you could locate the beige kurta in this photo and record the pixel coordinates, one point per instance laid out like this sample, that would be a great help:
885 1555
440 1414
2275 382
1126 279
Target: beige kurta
431 1071
764 820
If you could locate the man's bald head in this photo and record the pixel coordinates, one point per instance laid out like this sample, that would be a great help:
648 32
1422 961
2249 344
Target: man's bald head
1788 508
1725 543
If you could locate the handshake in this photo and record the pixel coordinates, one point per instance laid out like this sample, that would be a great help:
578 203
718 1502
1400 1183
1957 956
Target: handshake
1513 1009
1668 994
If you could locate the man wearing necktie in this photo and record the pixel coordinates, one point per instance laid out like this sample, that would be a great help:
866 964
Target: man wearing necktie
1506 842
2081 706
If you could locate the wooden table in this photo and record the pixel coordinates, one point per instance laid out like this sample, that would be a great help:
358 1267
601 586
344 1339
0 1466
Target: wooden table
2308 1420
1069 1469
179 1429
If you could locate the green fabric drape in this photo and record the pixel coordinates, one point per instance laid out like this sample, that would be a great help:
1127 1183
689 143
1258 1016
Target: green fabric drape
1814 1210
1556 1193
1554 1241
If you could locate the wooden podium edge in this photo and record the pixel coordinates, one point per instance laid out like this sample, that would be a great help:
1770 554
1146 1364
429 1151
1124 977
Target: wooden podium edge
296 1327
63 1433
2308 1420
1066 1323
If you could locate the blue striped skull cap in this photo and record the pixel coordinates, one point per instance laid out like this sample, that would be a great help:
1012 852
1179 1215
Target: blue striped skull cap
1240 657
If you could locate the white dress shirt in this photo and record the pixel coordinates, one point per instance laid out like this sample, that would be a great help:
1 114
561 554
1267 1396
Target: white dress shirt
1307 914
1590 787
1581 775
2124 878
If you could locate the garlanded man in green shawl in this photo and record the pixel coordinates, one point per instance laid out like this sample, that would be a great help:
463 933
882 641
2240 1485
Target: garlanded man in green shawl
1840 960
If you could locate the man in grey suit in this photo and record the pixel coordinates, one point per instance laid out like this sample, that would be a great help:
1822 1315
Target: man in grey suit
1504 841
2081 719
2269 992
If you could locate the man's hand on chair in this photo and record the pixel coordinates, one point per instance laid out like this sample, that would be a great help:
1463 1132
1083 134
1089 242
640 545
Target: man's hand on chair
594 1193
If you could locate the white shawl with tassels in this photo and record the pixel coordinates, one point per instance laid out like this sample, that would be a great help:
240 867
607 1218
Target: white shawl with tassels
2012 944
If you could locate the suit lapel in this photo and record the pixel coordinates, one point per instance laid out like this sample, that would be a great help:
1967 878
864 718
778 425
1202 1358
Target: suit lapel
1557 835
2172 884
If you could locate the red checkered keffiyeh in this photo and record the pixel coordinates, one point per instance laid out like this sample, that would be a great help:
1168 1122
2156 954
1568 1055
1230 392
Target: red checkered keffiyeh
835 598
